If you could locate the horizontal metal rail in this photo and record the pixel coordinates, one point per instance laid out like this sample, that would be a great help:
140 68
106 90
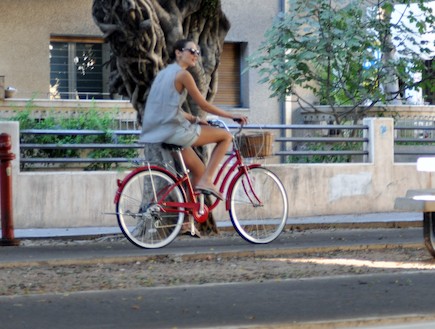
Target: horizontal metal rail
415 152
321 153
414 127
78 132
322 139
80 160
414 140
79 146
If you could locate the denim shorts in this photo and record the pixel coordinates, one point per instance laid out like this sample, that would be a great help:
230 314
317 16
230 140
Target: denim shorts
185 136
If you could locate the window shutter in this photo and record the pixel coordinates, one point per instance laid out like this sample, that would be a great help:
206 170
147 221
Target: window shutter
228 92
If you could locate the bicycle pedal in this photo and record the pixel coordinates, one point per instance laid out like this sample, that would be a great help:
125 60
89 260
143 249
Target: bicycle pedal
210 191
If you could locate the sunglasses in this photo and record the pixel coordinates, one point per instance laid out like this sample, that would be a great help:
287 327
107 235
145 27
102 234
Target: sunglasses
193 51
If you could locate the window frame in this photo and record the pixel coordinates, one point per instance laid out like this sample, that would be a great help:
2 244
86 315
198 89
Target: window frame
72 43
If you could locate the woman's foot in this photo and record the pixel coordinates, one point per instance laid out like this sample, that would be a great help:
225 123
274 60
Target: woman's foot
207 189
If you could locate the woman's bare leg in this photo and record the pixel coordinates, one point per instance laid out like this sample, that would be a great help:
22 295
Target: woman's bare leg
194 163
223 140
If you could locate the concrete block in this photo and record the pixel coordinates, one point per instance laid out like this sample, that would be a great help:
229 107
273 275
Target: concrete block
419 192
426 164
408 204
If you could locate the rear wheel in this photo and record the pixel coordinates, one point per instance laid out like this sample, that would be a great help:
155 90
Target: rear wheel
259 205
429 231
144 221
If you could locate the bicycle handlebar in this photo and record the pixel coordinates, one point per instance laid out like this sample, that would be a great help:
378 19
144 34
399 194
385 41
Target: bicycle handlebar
238 120
220 123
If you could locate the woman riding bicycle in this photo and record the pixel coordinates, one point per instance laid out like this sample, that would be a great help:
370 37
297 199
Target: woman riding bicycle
165 121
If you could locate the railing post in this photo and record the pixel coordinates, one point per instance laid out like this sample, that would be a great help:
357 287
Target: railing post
2 87
7 224
381 140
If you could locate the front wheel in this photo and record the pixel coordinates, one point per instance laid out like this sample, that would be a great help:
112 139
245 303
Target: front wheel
259 205
429 232
142 217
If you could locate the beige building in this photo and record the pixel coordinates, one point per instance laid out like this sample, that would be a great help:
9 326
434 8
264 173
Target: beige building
49 41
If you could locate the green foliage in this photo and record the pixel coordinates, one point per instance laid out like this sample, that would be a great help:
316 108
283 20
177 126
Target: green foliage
328 146
90 119
330 158
342 53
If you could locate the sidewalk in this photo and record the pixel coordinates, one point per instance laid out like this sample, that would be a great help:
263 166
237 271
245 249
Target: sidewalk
390 219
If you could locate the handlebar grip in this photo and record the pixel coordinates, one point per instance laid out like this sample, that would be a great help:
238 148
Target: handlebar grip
213 123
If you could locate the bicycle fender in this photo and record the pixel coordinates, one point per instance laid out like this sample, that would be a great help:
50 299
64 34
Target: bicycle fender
121 183
233 181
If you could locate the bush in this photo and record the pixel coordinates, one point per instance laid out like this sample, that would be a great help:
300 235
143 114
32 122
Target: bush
89 119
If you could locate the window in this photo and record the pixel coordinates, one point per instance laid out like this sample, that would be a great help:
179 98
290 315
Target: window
76 68
229 76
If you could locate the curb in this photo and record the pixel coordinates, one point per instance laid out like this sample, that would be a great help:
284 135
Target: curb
93 233
367 225
358 221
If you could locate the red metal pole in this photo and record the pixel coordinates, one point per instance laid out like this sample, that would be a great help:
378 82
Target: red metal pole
6 156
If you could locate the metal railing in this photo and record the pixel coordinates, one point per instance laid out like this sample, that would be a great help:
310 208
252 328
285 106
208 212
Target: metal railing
413 141
114 144
327 137
291 142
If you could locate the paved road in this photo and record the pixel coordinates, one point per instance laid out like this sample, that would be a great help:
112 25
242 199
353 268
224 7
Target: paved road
234 305
228 305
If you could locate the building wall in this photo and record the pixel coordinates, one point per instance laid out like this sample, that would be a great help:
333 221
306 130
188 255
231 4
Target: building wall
27 26
249 21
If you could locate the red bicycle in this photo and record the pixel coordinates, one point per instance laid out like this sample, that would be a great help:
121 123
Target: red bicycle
153 200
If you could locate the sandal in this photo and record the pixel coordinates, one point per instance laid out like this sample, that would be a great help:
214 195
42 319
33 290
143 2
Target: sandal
210 190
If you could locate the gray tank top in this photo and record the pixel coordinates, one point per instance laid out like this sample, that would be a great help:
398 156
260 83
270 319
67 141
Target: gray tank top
163 113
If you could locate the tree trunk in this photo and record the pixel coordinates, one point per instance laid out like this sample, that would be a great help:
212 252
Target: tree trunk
391 88
141 34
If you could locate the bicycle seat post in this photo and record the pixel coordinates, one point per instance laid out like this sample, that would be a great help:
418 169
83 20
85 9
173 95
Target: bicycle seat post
201 210
181 162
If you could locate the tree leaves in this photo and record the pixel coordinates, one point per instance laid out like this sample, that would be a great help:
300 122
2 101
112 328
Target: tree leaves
346 50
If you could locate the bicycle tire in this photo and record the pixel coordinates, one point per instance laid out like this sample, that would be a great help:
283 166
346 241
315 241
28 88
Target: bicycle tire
258 213
143 222
429 232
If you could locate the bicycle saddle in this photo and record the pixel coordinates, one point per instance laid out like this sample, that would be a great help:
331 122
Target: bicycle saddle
171 147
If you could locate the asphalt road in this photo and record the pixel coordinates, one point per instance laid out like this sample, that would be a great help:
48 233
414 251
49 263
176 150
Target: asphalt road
228 305
283 304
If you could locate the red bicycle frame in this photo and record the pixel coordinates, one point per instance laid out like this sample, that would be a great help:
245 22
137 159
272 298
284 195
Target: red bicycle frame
199 210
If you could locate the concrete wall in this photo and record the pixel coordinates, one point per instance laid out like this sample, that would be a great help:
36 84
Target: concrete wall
79 199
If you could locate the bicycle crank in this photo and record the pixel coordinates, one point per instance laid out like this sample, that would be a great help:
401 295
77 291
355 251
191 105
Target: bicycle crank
200 212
